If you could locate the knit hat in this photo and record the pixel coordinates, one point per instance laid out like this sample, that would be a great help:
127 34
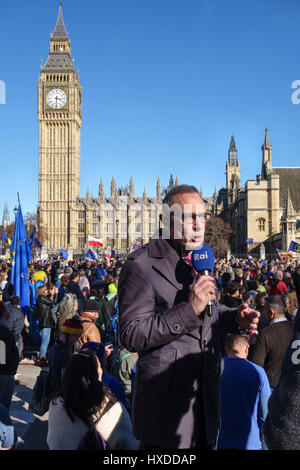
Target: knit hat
97 348
91 306
112 288
72 326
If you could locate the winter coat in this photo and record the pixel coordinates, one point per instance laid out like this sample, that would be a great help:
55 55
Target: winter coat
16 321
90 330
297 285
177 386
282 426
73 288
42 312
9 350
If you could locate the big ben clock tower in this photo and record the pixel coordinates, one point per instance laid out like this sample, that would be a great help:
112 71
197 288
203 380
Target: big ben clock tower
59 116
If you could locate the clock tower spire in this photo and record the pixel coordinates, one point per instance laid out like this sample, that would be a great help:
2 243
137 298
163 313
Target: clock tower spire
59 117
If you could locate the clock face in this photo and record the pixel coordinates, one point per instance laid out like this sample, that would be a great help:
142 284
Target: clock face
56 98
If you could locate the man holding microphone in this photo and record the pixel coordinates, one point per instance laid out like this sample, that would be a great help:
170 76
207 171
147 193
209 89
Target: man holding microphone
165 318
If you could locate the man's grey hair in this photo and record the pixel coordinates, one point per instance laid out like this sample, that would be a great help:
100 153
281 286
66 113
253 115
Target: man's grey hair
275 302
180 189
278 275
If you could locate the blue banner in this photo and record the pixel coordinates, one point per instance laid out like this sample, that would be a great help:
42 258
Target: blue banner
90 254
31 238
4 237
20 254
294 247
37 244
64 254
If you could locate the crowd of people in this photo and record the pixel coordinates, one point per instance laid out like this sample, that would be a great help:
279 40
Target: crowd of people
273 288
74 320
72 326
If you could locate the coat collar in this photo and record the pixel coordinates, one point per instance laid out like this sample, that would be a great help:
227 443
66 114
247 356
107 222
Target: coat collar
159 247
168 263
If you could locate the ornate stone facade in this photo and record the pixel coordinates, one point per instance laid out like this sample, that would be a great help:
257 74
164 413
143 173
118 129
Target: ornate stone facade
266 210
59 116
65 218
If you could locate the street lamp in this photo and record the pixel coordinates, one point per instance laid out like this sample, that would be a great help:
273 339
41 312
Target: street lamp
15 212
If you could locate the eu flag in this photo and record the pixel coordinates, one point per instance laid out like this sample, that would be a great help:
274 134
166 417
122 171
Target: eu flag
20 254
37 244
64 254
4 237
90 254
31 238
294 247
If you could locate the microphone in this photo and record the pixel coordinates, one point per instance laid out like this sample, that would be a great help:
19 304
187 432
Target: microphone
203 261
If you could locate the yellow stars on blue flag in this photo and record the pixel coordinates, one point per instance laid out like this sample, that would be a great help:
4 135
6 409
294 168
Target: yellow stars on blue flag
20 252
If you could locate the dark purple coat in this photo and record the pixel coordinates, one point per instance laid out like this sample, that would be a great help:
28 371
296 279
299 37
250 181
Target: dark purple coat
176 393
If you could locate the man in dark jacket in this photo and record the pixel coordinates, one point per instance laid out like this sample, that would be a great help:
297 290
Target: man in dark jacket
297 282
281 429
9 358
272 342
231 298
73 288
162 317
16 317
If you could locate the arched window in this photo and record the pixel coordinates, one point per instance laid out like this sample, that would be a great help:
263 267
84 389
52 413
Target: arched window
261 224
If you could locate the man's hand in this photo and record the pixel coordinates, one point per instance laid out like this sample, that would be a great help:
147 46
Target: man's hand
247 318
202 292
108 349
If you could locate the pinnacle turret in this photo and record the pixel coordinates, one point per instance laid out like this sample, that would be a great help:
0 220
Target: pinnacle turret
158 188
60 31
266 156
232 153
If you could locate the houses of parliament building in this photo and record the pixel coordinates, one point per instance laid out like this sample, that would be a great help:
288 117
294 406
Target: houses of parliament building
266 210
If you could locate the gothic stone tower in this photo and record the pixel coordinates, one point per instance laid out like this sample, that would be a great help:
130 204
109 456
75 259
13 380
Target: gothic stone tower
59 116
233 172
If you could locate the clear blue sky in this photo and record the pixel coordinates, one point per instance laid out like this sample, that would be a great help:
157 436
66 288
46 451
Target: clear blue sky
165 85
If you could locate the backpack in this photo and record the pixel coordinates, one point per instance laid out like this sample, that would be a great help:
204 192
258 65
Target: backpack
39 399
93 439
115 367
